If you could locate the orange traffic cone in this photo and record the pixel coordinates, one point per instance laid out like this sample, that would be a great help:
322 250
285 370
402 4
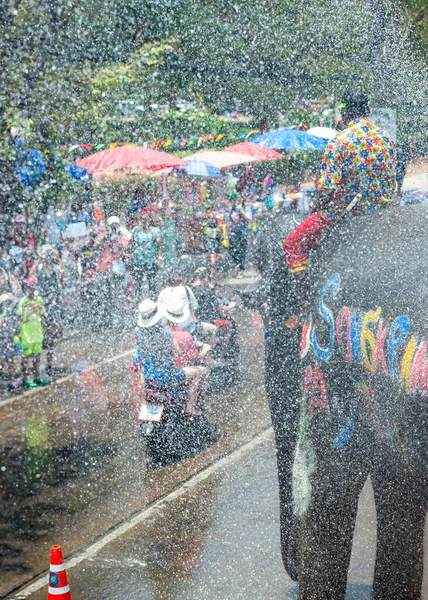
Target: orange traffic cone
58 588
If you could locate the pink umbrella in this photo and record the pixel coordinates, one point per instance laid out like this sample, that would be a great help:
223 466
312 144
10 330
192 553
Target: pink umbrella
221 159
258 152
129 157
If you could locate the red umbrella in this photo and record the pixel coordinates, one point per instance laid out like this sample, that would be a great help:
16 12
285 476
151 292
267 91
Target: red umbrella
257 151
129 157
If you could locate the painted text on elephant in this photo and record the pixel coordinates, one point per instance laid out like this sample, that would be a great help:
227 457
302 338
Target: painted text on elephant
382 348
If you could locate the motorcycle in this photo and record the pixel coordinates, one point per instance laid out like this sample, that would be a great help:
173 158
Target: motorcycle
169 434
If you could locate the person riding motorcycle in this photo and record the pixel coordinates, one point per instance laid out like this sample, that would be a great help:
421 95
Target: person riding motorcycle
213 309
155 351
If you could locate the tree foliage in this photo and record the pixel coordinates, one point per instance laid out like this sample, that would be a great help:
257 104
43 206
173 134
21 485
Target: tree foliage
415 23
75 72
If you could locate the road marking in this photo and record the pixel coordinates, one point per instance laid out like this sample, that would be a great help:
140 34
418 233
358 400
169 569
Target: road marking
147 512
62 379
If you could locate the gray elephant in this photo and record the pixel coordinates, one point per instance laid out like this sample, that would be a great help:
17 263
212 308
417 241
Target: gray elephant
363 412
273 298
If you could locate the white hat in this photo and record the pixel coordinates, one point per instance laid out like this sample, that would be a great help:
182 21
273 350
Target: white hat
112 220
175 307
149 313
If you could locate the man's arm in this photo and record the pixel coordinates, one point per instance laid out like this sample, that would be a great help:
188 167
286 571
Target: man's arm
227 307
244 214
204 350
306 236
298 245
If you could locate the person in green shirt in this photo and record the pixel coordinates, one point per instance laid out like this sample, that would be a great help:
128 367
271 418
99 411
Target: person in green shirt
31 309
145 248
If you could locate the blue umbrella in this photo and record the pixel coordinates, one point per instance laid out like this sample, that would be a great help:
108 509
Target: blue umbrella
290 139
200 168
77 172
29 165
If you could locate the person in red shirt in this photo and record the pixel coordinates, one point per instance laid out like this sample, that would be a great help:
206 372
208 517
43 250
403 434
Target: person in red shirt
187 353
176 311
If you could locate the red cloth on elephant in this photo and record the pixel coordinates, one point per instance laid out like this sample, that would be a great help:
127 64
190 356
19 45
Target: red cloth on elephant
303 239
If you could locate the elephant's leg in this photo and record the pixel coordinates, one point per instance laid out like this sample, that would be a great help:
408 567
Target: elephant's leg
327 529
285 440
400 529
283 390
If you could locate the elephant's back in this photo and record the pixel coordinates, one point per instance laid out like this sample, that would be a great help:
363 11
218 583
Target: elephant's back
366 348
382 260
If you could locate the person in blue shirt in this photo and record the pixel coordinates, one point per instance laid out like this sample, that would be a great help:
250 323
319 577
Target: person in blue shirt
154 357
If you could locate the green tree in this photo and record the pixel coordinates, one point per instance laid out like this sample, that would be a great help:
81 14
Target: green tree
75 72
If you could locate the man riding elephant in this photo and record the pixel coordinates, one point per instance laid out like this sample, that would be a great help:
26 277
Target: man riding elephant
358 175
364 368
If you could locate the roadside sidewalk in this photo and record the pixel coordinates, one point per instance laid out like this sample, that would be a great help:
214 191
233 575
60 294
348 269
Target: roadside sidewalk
250 277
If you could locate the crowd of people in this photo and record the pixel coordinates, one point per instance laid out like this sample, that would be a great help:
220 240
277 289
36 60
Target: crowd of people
31 309
79 268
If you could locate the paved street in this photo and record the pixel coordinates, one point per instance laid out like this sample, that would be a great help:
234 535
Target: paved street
72 469
213 538
216 537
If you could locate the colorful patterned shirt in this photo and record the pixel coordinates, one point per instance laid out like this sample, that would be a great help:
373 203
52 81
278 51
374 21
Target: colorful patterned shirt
361 159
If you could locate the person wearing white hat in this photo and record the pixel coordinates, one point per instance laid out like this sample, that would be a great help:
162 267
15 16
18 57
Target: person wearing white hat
176 307
182 298
149 313
155 344
113 221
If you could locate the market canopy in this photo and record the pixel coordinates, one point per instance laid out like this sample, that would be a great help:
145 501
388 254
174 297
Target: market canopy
290 139
327 133
221 159
257 151
200 168
129 157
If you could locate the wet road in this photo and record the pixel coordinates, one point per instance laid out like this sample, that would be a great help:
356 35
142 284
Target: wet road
71 460
214 537
72 472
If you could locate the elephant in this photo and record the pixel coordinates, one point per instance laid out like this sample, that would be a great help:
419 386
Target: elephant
273 298
363 367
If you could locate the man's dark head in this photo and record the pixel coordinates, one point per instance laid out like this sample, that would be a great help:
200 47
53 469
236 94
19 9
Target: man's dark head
354 105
